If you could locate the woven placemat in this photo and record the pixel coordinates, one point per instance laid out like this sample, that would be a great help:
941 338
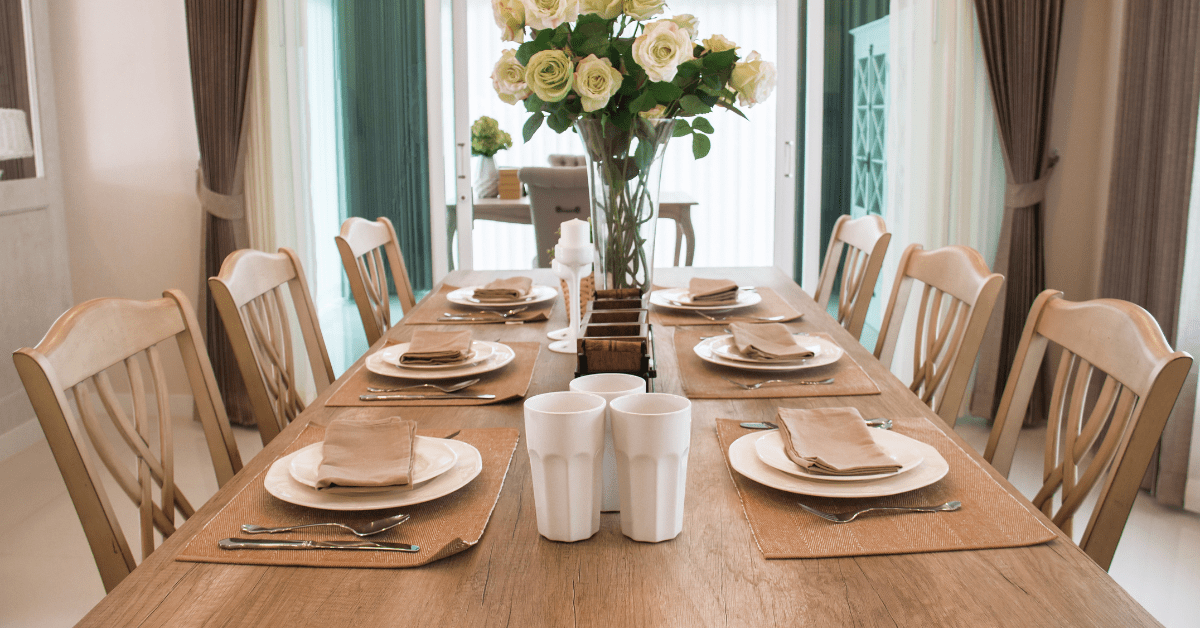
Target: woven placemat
510 382
771 305
434 305
441 527
702 380
990 517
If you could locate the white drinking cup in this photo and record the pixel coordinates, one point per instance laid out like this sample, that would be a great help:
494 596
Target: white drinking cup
564 432
652 433
610 386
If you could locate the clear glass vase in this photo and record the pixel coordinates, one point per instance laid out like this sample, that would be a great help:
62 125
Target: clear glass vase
624 173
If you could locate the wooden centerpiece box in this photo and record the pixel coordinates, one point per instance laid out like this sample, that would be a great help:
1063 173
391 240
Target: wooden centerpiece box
615 336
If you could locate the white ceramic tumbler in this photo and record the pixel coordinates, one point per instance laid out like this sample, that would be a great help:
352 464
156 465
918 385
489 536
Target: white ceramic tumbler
610 386
564 432
652 433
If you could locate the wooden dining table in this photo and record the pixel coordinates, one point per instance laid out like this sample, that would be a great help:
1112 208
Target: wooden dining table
712 574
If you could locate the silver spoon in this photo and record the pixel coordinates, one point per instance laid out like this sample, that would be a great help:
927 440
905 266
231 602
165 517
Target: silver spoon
366 529
846 518
883 424
446 389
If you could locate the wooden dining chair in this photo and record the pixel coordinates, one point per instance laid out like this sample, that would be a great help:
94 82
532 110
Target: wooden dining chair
864 242
248 293
1108 345
72 363
362 244
952 314
556 195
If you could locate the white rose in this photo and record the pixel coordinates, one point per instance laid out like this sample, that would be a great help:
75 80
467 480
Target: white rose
643 9
510 17
541 14
661 48
549 75
508 78
718 43
607 9
659 111
688 23
753 80
596 80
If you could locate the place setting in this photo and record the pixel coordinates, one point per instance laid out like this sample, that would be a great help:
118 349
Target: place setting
440 368
766 360
708 301
367 483
827 482
508 300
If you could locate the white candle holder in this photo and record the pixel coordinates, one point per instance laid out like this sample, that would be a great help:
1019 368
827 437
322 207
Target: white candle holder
571 264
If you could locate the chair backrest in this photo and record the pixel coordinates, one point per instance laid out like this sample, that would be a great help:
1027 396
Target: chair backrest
362 244
864 242
72 362
952 314
566 161
555 196
1088 433
248 293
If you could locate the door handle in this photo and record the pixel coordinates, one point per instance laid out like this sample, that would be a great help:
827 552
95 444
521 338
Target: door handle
789 157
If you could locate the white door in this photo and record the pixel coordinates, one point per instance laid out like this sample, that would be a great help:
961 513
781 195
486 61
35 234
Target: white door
34 278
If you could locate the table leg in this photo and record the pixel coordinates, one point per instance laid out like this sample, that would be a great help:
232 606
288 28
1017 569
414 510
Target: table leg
685 221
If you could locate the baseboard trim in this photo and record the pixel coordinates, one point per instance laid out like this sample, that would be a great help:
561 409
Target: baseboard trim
20 438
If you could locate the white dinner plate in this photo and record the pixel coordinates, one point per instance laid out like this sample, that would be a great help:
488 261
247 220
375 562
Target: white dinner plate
466 296
280 483
770 450
385 362
729 351
480 351
432 457
681 299
743 457
712 350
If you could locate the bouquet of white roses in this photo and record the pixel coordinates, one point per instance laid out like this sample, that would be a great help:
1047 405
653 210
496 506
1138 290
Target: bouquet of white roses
603 59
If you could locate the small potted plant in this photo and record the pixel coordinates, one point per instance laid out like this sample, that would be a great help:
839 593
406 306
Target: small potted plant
487 139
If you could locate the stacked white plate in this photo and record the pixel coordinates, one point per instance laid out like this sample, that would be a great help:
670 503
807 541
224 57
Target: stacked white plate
441 467
720 350
466 297
681 299
485 357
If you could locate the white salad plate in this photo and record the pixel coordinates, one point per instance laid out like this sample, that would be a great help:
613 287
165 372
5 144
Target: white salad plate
480 351
681 299
538 293
720 350
770 450
386 362
431 458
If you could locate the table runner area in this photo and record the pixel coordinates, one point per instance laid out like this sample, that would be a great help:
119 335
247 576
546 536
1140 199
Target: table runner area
510 382
990 518
435 304
441 527
702 380
771 305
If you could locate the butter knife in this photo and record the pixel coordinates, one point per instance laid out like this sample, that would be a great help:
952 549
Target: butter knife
232 544
393 397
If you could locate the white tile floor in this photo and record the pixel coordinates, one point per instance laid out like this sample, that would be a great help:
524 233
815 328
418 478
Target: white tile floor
41 584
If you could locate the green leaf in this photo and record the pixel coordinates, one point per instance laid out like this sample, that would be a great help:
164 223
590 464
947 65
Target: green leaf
692 105
719 60
645 102
682 128
729 106
623 118
559 121
689 69
700 145
665 93
533 103
628 85
532 124
560 36
702 125
644 154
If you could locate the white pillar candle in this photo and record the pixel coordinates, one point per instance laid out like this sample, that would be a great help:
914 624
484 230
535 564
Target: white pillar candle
574 233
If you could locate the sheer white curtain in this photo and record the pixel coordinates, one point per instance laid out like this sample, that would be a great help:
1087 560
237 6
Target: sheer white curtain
1188 334
945 179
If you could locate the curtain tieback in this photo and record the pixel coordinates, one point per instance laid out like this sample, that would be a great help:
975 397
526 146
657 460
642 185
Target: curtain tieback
1032 193
223 206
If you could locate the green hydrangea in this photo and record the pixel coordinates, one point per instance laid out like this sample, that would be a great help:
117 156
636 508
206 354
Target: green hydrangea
487 139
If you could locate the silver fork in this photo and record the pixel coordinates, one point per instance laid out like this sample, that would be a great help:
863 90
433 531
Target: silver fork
484 314
457 386
757 385
734 317
846 518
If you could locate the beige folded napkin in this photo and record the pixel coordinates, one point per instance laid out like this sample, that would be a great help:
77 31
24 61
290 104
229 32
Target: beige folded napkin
504 290
712 291
367 452
832 441
437 347
767 341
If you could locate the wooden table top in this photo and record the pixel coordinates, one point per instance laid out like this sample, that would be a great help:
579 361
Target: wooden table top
711 575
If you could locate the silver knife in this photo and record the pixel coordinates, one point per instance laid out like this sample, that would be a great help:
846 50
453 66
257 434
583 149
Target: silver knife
393 397
232 544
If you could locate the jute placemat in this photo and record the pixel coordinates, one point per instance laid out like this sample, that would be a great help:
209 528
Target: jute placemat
433 306
771 305
509 382
442 527
990 517
702 380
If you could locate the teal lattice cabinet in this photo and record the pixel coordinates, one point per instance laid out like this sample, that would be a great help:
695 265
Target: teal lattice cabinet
868 166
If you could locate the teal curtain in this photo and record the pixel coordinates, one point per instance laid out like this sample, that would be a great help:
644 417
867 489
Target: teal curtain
383 139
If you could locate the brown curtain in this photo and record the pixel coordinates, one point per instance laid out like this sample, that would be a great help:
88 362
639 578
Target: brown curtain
220 37
1020 45
1150 190
14 80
